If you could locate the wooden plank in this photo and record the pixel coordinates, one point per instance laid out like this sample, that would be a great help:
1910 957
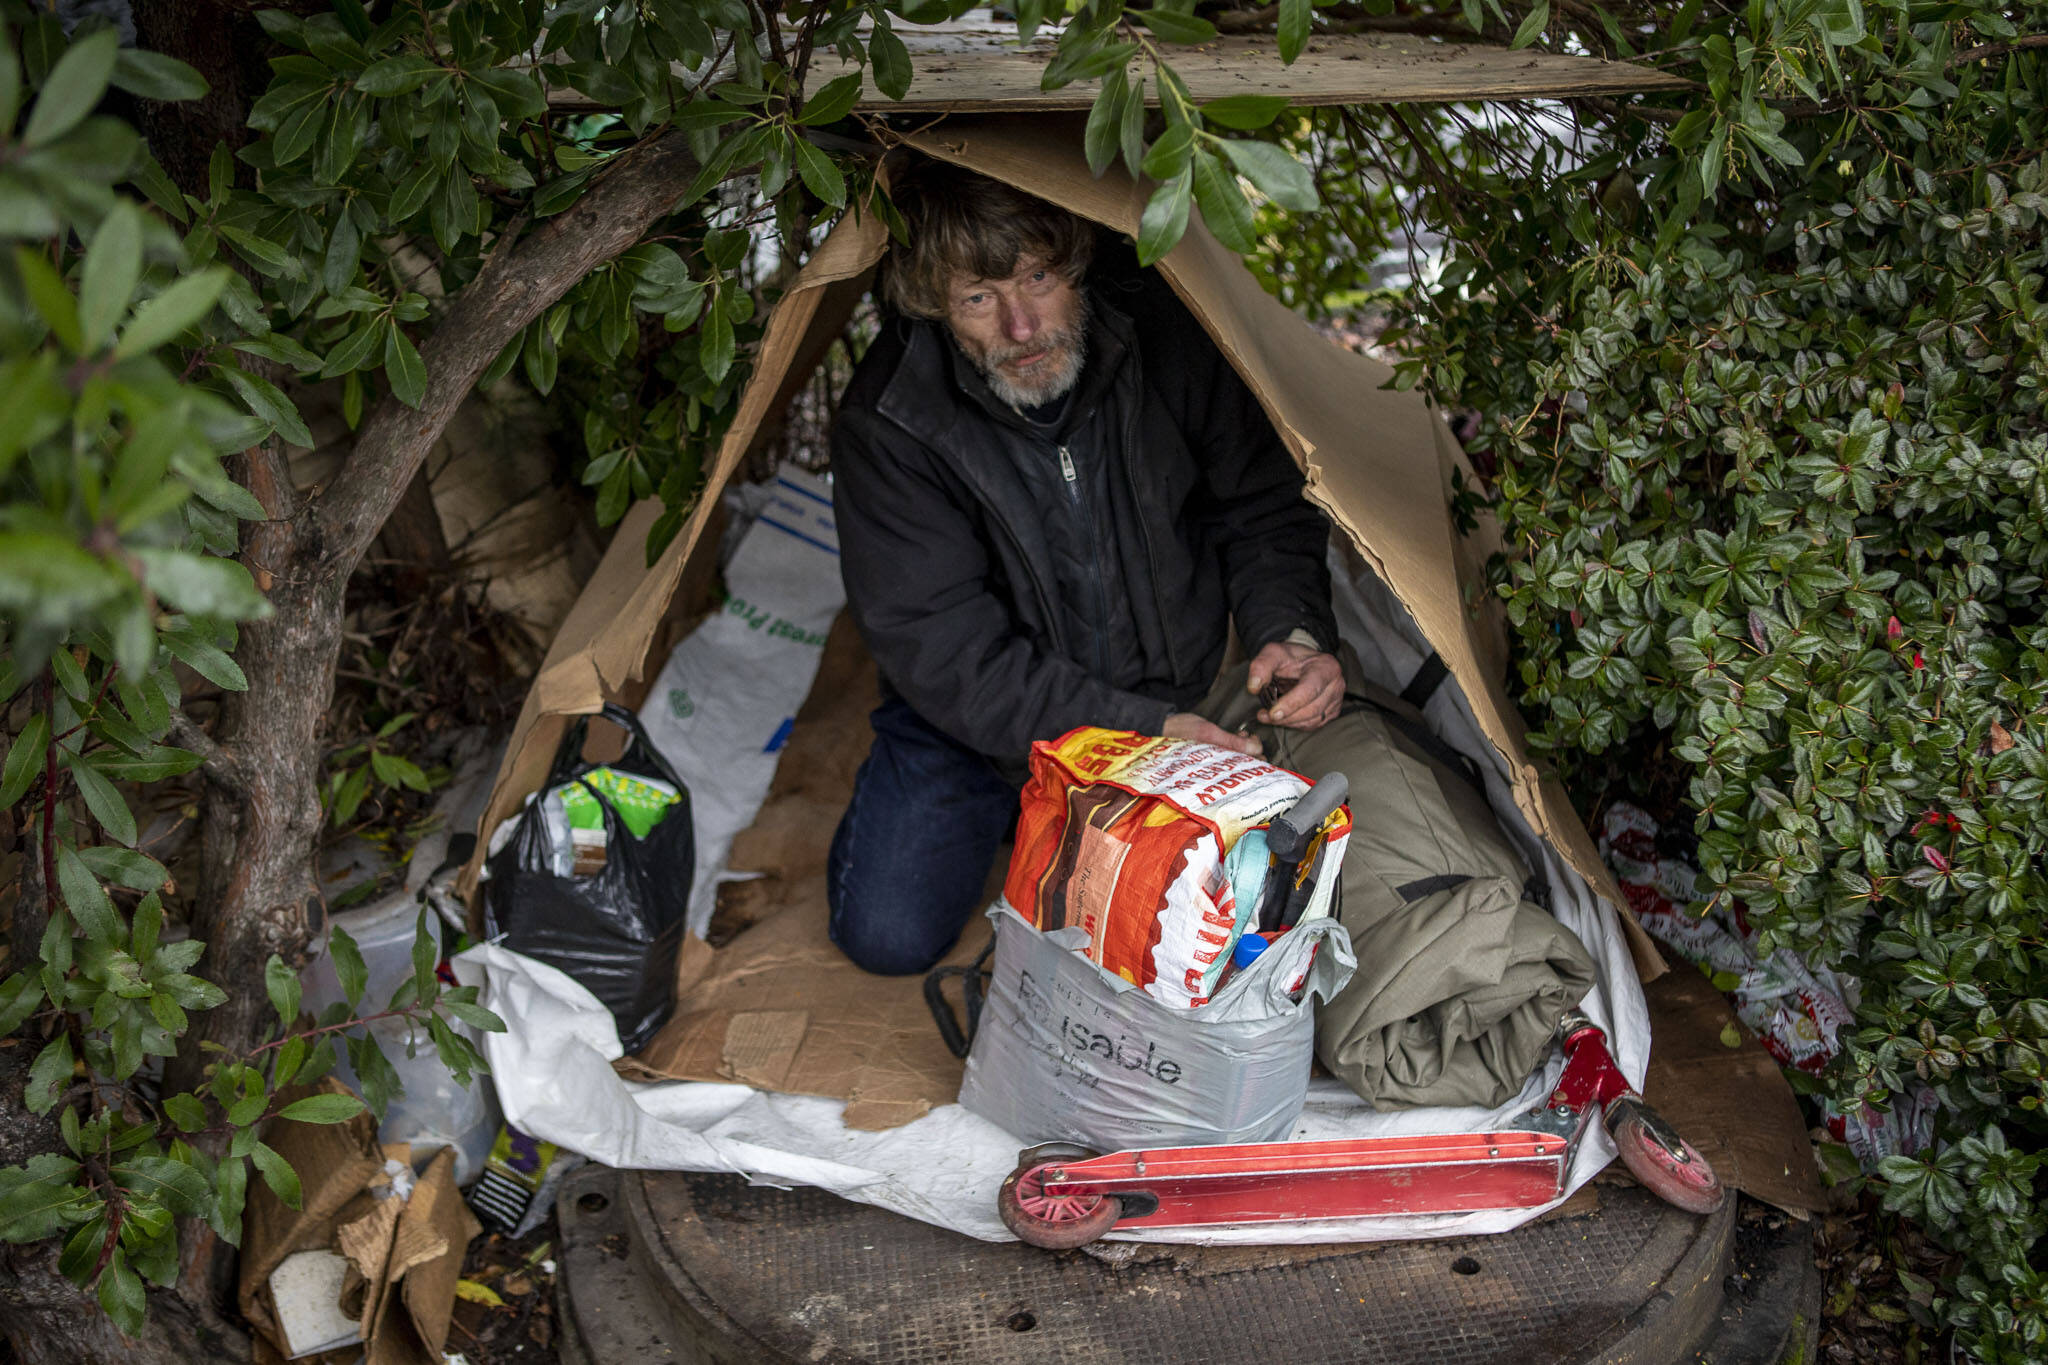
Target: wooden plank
958 71
968 68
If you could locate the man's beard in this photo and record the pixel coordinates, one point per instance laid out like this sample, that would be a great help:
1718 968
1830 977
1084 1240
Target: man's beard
1052 378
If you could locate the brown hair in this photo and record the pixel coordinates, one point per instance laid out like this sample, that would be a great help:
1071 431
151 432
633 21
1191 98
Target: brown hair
962 224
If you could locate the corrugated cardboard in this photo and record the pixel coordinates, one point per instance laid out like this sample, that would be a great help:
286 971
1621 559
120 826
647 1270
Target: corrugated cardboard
1377 461
403 1251
1732 1103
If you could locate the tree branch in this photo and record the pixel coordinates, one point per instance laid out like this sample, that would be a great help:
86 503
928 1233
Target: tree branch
1986 51
517 282
217 763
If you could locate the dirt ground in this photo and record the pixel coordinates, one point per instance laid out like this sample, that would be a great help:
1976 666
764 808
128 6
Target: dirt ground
505 1304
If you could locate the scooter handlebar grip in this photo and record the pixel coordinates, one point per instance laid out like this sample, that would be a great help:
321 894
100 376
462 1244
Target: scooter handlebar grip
1288 835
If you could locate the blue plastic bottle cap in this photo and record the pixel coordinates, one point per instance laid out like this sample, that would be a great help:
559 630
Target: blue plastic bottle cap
1249 946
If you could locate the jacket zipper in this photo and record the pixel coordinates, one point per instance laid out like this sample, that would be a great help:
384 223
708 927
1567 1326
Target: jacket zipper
1101 587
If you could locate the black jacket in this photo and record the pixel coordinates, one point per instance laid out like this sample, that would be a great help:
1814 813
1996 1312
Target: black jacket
1013 581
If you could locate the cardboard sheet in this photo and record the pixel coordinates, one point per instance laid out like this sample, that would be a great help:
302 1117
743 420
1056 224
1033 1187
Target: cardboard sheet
1375 460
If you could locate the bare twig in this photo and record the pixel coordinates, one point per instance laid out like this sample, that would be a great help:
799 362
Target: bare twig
1986 51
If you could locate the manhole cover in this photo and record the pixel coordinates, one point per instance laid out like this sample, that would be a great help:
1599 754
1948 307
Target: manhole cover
735 1272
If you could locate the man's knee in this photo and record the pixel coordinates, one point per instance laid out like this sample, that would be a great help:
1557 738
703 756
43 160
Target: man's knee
880 938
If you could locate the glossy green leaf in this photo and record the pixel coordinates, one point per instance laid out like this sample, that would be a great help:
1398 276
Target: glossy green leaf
322 1109
405 368
1244 112
1173 26
277 1172
833 100
889 62
349 968
820 175
1277 174
161 319
1165 218
113 266
24 763
73 87
106 806
1223 205
87 900
154 76
1293 30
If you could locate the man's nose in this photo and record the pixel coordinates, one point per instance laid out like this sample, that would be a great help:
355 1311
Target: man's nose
1020 320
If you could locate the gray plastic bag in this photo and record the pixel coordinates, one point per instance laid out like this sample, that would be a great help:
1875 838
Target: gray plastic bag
1067 1052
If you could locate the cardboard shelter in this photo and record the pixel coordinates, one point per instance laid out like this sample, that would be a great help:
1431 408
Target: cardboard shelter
822 1048
1377 461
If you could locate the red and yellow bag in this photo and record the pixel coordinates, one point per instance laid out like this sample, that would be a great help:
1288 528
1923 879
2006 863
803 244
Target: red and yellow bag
1124 835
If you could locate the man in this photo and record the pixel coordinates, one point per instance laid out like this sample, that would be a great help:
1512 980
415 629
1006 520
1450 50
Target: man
1054 499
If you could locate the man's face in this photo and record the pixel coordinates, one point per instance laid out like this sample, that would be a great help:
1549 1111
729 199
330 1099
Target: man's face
1026 334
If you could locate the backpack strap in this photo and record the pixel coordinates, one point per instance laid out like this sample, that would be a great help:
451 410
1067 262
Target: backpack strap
1429 886
1427 679
1534 890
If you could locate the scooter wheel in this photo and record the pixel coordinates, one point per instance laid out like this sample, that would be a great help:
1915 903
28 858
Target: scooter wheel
1669 1166
1057 1222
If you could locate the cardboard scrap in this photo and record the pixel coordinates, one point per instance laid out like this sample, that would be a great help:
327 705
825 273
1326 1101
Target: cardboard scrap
760 1045
1731 1103
401 1247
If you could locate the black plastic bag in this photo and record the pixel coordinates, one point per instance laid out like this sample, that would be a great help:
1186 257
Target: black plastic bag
617 930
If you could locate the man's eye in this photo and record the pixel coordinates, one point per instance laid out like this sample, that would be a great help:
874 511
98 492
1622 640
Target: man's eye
1038 276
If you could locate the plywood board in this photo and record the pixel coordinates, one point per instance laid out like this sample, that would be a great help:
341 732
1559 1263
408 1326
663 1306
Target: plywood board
962 68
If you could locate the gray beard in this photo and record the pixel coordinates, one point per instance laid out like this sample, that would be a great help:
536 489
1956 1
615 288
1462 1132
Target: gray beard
1056 375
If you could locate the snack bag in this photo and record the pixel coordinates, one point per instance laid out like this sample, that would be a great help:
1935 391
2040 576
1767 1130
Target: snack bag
1125 836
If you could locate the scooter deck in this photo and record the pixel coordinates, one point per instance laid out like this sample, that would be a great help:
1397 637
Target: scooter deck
1296 1181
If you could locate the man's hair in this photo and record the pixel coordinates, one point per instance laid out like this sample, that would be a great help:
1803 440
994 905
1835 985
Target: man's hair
967 226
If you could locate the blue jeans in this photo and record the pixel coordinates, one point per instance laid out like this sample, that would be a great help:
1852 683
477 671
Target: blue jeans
913 850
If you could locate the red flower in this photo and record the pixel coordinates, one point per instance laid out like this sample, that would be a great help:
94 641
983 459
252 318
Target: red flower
1892 629
1918 662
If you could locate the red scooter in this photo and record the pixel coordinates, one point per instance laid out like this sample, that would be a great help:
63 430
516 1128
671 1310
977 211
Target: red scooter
1063 1195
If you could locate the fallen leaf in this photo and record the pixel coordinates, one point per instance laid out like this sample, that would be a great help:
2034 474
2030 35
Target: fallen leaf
1730 1036
2001 738
478 1293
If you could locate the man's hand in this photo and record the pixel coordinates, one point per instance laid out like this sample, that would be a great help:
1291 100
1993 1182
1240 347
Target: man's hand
1188 725
1317 693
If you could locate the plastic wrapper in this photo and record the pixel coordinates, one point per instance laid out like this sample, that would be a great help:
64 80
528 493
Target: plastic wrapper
1066 1051
615 929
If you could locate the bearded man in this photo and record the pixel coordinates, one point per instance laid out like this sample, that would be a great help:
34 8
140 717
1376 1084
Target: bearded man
1054 499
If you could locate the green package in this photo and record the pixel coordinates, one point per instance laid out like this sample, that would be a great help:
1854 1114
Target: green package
640 802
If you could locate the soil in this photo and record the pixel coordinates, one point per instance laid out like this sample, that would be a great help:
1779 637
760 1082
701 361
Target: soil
518 1328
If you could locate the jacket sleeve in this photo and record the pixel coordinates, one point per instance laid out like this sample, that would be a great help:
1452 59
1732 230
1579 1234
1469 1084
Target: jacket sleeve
1272 541
919 582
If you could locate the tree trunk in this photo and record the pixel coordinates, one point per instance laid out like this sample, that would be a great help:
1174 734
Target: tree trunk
261 812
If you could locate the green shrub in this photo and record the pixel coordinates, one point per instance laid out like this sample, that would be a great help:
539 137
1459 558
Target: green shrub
1763 385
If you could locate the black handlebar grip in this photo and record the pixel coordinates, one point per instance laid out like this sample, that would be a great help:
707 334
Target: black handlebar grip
1288 835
